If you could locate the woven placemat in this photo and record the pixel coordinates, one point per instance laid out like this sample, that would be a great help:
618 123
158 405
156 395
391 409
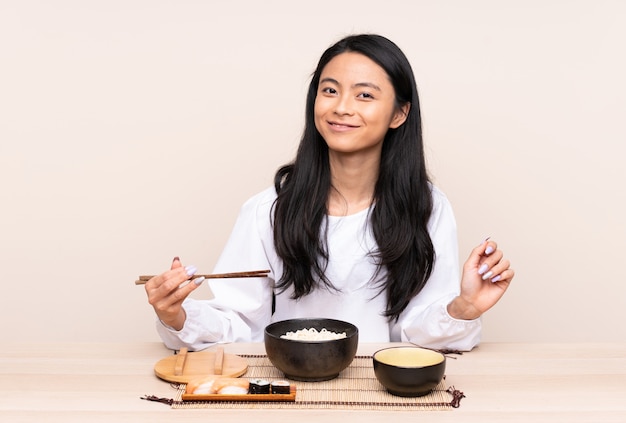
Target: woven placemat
355 388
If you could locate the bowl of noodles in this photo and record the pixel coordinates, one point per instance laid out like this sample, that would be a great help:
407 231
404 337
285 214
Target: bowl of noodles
311 350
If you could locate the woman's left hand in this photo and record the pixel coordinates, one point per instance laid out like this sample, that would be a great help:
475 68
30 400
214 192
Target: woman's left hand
486 277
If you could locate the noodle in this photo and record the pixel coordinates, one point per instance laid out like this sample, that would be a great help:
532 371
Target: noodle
313 335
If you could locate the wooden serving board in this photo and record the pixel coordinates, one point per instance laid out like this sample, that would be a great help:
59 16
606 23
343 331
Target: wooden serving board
186 366
291 396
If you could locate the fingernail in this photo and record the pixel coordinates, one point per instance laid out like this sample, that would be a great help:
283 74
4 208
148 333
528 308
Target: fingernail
199 280
489 250
176 259
483 269
496 279
191 269
485 240
487 275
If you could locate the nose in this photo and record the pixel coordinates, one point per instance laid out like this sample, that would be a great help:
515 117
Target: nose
344 105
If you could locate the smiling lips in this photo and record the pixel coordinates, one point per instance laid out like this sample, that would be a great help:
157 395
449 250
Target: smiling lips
338 126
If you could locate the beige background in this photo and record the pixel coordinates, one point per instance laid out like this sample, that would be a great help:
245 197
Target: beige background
131 131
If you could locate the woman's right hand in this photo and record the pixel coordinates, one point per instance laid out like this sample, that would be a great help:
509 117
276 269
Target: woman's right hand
166 295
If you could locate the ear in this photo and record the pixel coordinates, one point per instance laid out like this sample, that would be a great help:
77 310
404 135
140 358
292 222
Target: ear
400 116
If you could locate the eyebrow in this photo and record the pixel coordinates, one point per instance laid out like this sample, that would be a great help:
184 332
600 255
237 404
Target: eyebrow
358 84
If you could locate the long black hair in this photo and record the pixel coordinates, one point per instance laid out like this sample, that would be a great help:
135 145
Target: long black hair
402 202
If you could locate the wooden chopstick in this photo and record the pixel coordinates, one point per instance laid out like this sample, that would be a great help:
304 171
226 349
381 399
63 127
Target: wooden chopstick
249 274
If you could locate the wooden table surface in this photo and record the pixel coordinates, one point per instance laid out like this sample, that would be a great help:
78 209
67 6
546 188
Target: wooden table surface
90 382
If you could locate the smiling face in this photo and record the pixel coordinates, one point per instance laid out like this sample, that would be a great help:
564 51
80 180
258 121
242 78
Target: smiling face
355 105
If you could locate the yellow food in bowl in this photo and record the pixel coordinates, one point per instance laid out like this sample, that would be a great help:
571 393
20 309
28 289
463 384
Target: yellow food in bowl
409 357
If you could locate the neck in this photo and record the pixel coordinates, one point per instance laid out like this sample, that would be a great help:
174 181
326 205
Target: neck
353 182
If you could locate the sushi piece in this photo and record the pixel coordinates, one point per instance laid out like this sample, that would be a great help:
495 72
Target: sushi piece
280 387
233 390
259 386
231 386
201 386
218 385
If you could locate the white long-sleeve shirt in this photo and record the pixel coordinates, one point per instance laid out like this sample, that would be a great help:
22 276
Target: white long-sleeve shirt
243 307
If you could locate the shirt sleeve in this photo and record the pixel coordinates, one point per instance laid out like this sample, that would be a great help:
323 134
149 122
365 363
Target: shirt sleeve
241 308
426 321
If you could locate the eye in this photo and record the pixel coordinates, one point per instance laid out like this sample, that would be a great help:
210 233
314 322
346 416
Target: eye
329 90
366 96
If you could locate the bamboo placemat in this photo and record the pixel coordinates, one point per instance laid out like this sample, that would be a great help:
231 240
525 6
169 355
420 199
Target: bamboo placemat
355 388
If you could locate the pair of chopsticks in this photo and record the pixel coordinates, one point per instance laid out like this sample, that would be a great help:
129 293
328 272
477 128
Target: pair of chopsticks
250 274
